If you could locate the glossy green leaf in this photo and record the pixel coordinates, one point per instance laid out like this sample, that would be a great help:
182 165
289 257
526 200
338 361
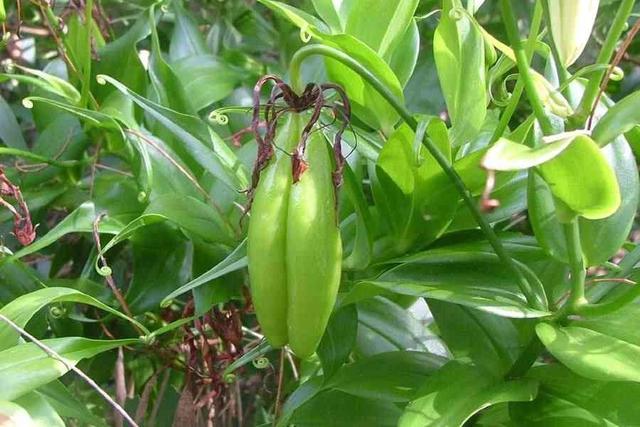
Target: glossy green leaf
457 392
489 341
196 136
601 239
48 82
25 367
201 219
393 376
619 119
384 326
206 79
507 155
404 58
411 189
568 400
385 23
592 354
459 54
333 13
458 275
235 261
583 180
22 309
338 339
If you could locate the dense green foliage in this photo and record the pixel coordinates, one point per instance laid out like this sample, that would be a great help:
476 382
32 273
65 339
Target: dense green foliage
486 213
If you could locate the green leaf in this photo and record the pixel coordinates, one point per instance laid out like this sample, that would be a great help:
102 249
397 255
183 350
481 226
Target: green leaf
619 119
166 84
404 58
201 219
410 188
385 326
40 411
592 354
457 392
458 48
385 23
338 339
489 341
10 131
333 13
65 404
345 410
452 274
235 261
569 400
366 103
186 39
360 255
601 239
196 136
160 261
48 82
120 60
22 309
79 221
392 377
583 180
507 155
206 79
25 367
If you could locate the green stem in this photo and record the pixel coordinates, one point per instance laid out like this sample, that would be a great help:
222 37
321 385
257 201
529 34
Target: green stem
295 67
576 265
608 48
519 89
629 262
86 71
523 67
611 306
526 359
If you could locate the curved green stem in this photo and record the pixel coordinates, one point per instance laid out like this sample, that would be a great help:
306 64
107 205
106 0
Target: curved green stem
576 264
608 48
295 66
611 306
519 89
523 67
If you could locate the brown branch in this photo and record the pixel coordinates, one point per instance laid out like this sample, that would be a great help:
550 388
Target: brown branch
616 61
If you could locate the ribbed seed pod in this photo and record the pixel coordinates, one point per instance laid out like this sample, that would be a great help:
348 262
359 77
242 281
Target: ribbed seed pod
294 251
571 23
267 237
314 250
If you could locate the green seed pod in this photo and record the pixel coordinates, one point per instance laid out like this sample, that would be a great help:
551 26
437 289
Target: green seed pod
571 22
3 13
294 247
314 250
267 238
